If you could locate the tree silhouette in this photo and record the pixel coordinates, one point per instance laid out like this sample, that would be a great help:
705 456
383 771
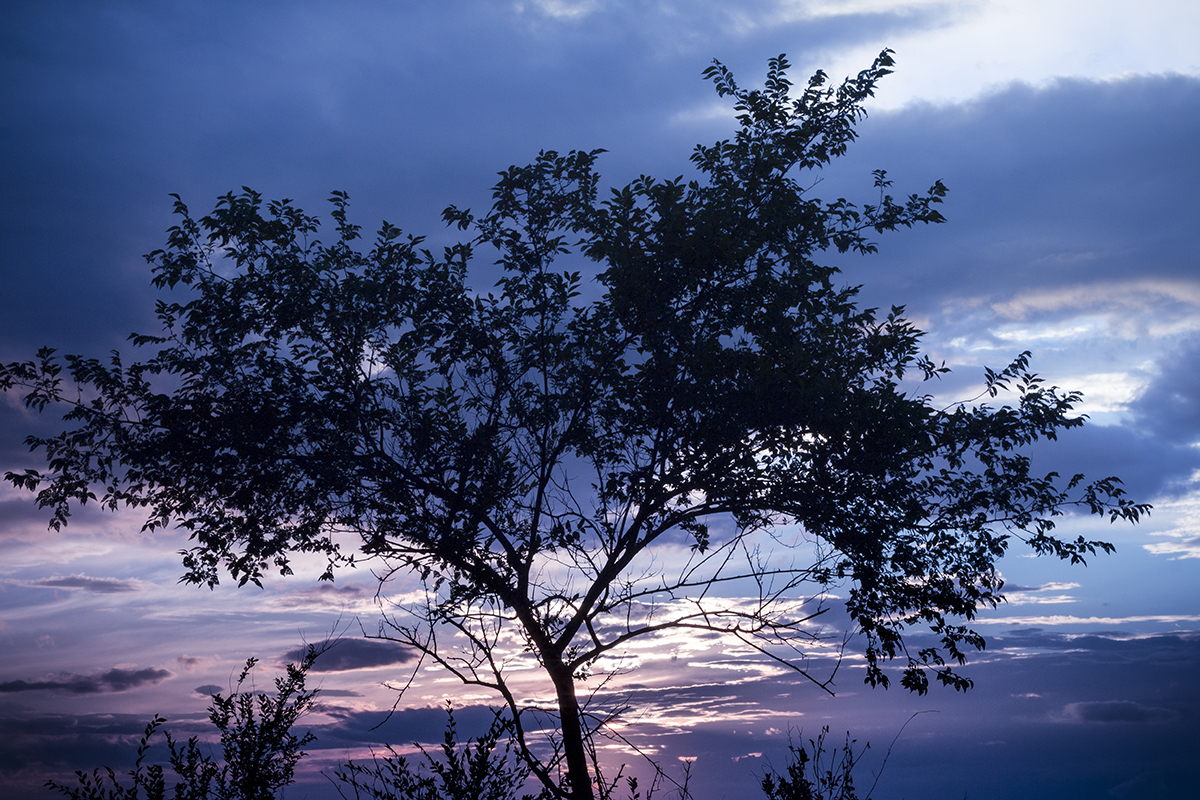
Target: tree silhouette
479 769
259 747
566 475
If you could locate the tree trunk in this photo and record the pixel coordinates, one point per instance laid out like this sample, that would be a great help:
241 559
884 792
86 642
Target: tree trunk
571 726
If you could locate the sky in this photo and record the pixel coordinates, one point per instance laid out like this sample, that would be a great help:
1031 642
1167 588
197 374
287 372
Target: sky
1065 131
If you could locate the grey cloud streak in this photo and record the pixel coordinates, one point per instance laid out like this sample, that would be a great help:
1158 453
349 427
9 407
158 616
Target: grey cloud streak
1150 466
88 584
1075 183
1118 711
1170 405
114 680
350 654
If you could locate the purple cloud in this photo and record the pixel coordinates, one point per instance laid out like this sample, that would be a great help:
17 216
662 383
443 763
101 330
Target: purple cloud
350 654
115 680
88 584
1117 711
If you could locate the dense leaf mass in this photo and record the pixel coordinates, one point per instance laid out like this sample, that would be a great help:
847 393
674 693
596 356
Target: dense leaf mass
525 451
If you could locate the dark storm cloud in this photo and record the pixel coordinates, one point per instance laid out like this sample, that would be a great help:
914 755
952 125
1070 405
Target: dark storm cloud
75 739
1117 711
35 748
1155 456
1062 199
115 680
401 727
1148 465
1157 459
1077 182
1170 405
350 654
88 584
107 109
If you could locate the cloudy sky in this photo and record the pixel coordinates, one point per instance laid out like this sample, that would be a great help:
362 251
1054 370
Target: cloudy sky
1066 131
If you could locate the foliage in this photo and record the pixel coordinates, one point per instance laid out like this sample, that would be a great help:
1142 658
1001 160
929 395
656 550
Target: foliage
259 747
566 475
260 750
464 772
147 782
819 775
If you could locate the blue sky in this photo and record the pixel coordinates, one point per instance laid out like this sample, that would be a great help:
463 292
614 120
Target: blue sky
1065 131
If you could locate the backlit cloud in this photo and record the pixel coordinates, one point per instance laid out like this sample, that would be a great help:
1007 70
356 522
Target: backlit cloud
1177 547
1123 296
1180 540
1045 594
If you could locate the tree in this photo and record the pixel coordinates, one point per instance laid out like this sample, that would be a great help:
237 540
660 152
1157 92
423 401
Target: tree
479 769
821 775
528 453
260 749
258 742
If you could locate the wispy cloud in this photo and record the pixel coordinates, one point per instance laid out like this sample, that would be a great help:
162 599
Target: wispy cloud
1180 536
1123 296
1038 595
560 9
1181 547
352 598
1066 619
